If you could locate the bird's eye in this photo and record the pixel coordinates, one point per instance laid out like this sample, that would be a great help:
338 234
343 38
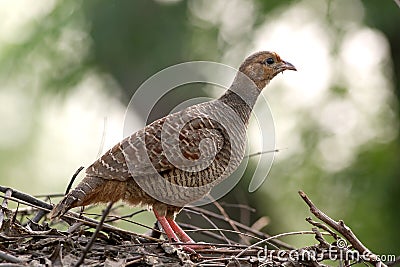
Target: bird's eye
269 61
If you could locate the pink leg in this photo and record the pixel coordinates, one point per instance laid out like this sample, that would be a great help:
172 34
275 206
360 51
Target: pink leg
179 232
190 244
167 228
172 229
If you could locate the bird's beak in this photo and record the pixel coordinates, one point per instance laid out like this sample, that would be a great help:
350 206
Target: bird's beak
288 66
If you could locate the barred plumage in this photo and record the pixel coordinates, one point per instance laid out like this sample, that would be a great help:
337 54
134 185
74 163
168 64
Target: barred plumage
177 159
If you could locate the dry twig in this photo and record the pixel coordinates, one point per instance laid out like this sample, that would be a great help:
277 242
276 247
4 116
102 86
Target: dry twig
343 230
98 228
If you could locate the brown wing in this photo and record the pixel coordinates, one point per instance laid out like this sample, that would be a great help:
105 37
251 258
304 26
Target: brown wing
142 153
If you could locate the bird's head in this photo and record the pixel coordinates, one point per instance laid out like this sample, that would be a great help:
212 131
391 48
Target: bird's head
262 66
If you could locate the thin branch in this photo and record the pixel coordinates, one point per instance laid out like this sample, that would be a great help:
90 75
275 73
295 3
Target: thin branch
228 231
217 245
212 223
71 182
113 218
49 195
273 237
28 198
264 152
344 230
322 226
98 228
319 237
203 231
93 223
230 221
238 206
39 215
9 258
397 2
241 226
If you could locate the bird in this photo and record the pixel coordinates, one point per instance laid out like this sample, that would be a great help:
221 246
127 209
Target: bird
176 160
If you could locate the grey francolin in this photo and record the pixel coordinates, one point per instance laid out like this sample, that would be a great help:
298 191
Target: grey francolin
177 159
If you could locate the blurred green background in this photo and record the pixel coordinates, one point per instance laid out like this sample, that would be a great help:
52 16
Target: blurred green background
69 68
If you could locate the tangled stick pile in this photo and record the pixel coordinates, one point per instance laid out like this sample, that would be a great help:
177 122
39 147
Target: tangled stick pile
27 237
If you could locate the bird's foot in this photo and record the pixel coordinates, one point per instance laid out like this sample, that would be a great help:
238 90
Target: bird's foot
176 234
190 245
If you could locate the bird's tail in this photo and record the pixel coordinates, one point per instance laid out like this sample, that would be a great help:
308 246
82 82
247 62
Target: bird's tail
82 195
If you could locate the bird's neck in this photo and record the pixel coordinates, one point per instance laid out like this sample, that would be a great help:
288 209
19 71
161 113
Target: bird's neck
241 97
